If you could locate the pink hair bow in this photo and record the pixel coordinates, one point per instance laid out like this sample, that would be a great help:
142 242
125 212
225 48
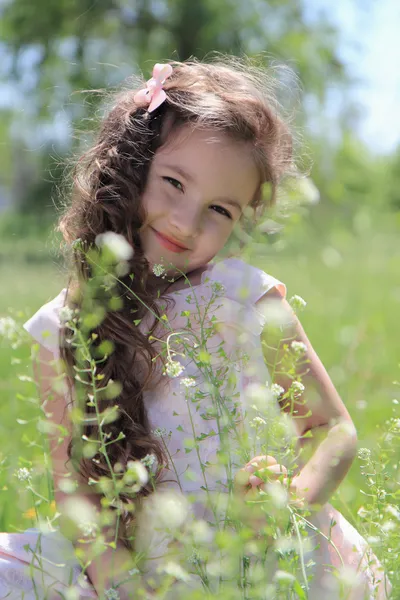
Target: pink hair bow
154 95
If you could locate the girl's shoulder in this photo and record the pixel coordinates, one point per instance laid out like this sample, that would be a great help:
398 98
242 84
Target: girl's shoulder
44 324
242 282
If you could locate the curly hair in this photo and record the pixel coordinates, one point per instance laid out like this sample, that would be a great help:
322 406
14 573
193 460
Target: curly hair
226 95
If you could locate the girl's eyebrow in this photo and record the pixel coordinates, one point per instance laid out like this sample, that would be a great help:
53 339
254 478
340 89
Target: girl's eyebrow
178 170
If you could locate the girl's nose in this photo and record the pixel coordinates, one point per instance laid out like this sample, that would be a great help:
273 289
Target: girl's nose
186 220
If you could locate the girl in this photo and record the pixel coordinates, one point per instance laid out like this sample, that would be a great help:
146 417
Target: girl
181 433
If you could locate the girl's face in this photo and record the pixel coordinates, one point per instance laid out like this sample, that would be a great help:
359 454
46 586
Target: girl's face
197 188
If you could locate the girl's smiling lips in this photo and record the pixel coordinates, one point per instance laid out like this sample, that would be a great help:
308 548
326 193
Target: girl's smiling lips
170 243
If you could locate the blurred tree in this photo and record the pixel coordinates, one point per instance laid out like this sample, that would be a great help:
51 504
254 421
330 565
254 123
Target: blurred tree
393 179
58 49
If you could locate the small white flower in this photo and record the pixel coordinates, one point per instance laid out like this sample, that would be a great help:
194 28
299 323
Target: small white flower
148 460
188 382
362 512
88 529
158 270
202 532
364 454
65 314
133 571
297 302
298 348
381 494
173 368
168 510
175 570
297 388
283 577
112 594
160 432
277 390
194 558
257 422
136 475
349 577
23 474
389 508
277 493
8 327
116 243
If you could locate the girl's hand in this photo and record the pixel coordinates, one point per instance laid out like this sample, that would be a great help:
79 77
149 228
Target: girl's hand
262 470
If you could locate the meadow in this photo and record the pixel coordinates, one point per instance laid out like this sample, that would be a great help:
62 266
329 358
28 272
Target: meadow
348 273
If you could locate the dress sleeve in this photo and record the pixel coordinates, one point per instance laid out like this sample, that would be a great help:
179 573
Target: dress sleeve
245 283
44 325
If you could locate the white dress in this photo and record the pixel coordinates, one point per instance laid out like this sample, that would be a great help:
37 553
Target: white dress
182 407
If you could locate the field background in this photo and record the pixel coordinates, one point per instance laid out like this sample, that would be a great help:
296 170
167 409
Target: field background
339 247
350 280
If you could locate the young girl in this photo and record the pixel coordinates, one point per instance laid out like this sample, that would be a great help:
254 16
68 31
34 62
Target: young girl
175 167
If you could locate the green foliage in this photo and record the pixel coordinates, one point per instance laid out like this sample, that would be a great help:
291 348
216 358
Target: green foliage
75 46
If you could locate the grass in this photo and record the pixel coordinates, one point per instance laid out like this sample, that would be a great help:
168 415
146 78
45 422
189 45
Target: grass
349 278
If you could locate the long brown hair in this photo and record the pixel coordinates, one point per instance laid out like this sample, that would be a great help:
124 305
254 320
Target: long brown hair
227 95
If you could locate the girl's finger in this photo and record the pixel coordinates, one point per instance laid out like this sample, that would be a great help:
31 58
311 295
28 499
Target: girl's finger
242 477
271 472
258 462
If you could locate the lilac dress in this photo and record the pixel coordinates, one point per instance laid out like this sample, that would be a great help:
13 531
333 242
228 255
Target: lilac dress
227 299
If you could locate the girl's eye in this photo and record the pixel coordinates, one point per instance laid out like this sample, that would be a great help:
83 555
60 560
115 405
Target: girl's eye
177 184
221 210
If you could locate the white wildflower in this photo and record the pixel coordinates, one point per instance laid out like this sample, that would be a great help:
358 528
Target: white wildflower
393 510
362 512
88 529
194 558
283 576
158 270
297 388
364 454
298 348
348 577
307 191
277 493
133 572
202 532
8 327
148 460
116 243
176 571
160 432
277 390
257 422
188 382
381 494
173 368
297 303
23 474
112 594
65 314
167 509
136 475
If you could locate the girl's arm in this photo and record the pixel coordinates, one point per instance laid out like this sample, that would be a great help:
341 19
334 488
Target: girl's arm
327 436
113 564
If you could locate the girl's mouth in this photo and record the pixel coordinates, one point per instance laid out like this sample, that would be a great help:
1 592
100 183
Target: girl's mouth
170 243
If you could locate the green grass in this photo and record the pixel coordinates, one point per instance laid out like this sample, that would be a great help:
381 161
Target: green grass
352 287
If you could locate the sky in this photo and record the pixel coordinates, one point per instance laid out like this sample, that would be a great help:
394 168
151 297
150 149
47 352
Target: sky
370 47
